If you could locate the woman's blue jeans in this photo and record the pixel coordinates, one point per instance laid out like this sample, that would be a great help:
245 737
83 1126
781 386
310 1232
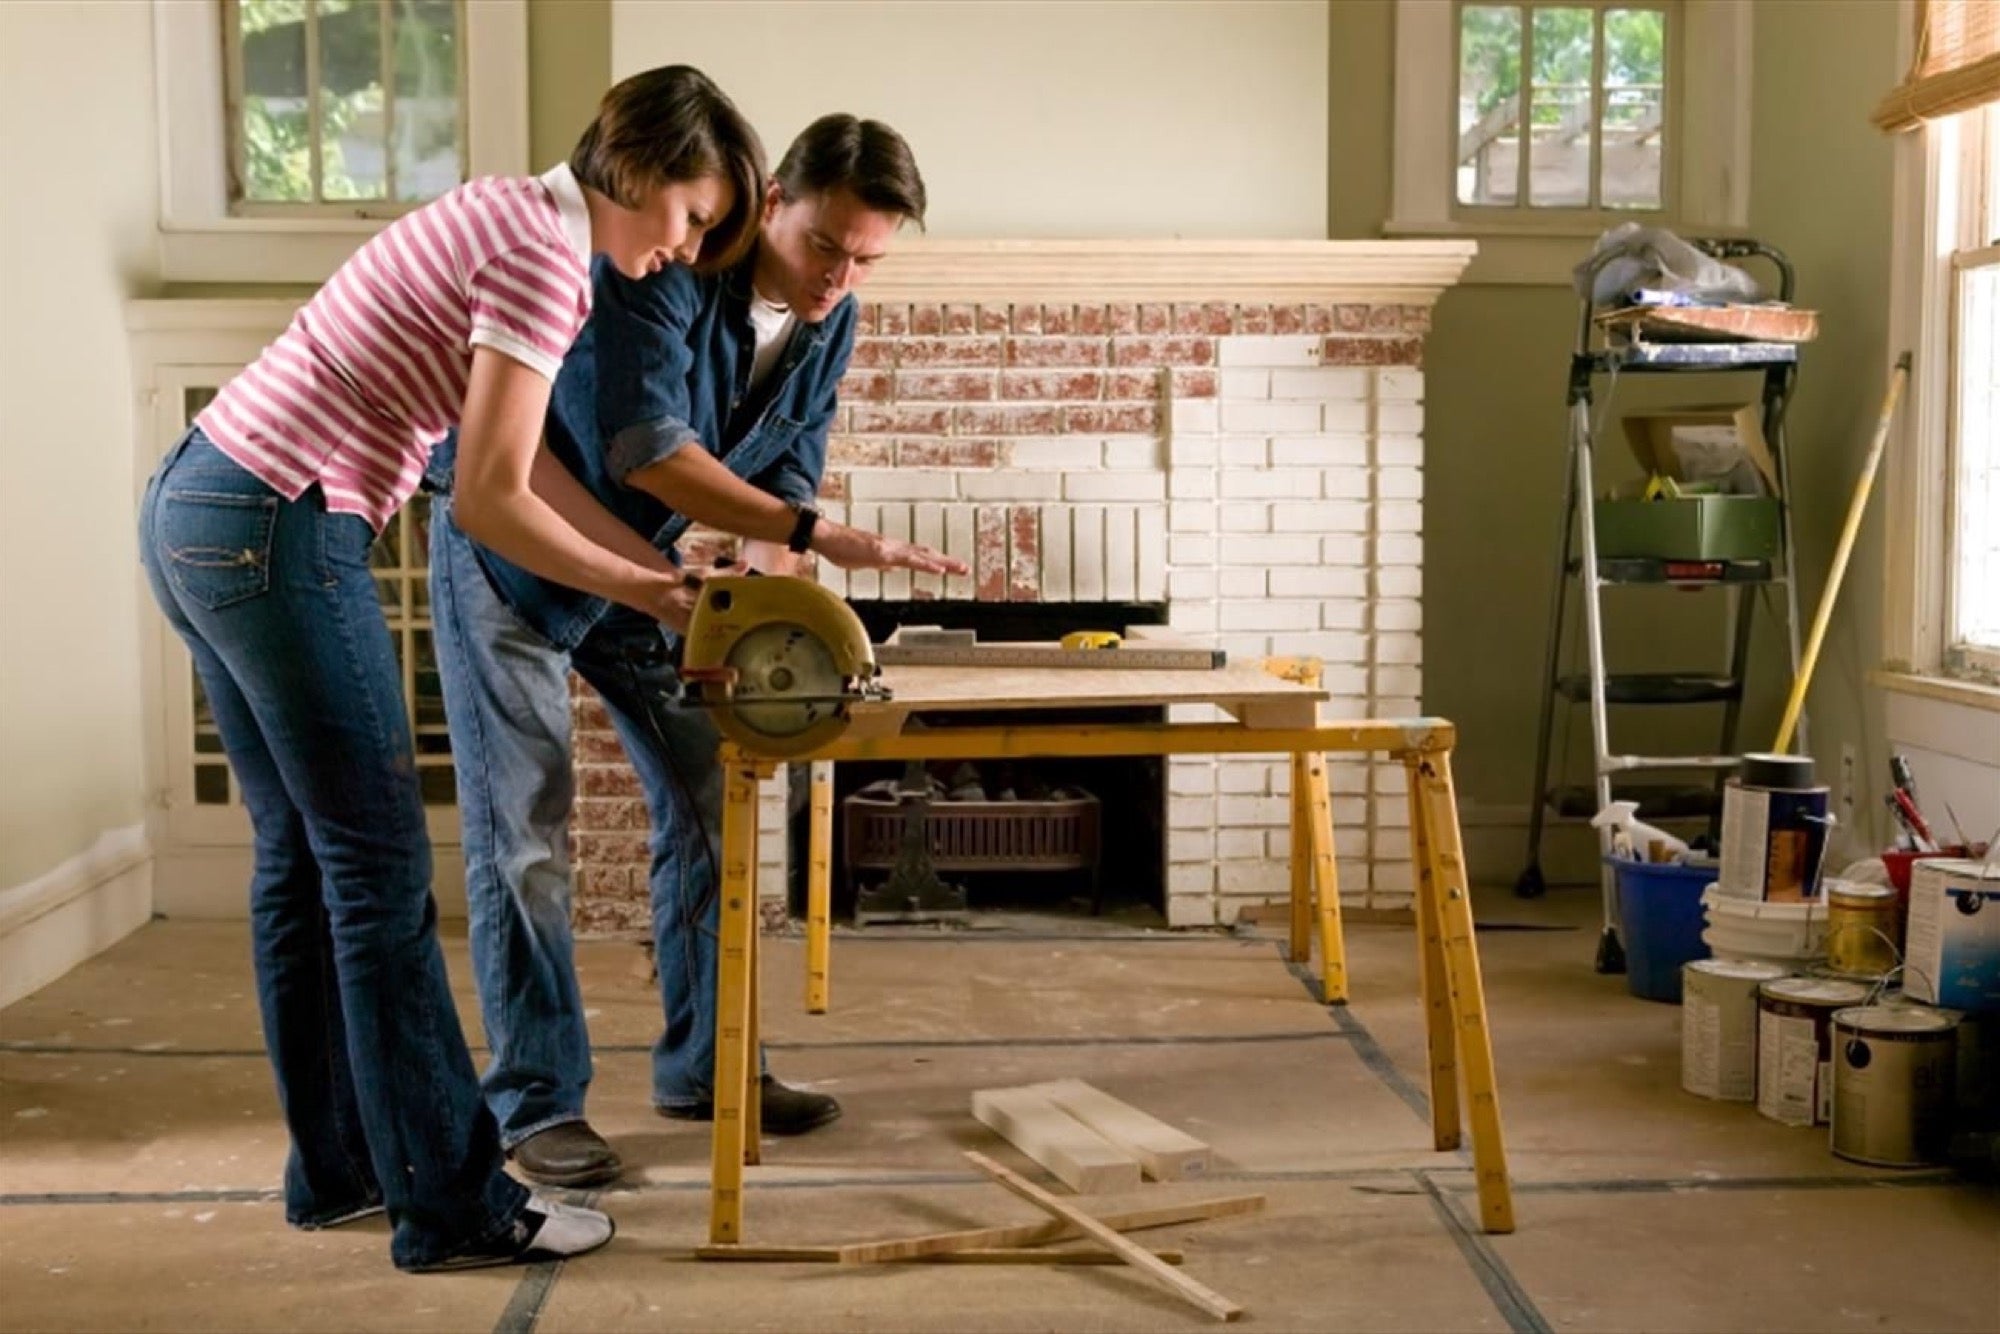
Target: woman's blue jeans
277 604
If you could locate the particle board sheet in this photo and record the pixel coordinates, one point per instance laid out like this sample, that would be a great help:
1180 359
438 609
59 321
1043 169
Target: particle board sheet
1245 690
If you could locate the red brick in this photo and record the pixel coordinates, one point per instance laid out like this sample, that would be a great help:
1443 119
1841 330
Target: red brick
1163 352
833 486
608 780
865 386
994 320
1124 419
1350 319
1373 352
1416 319
1195 384
944 386
1255 320
948 352
1213 317
1055 352
947 453
920 593
597 746
1046 385
1319 319
705 548
1130 385
961 319
1058 319
588 715
606 916
926 319
846 451
1288 319
893 320
1009 421
1155 318
1122 318
1385 319
1027 318
1092 320
612 849
1024 554
897 420
989 554
864 317
873 353
610 814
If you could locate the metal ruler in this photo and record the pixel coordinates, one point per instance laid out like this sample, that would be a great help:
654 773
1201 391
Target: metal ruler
1124 657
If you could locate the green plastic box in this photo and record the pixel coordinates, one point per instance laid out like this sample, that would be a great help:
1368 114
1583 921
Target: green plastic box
1689 528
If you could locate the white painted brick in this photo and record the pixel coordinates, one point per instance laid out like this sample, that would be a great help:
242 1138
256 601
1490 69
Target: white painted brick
835 510
1270 483
1393 780
1400 484
1270 615
1399 451
1239 844
1399 419
1399 582
1191 812
1189 549
1345 682
1191 516
1090 486
1341 549
1399 549
929 531
1244 647
1243 777
1268 350
1189 615
1347 484
1151 529
1121 553
1054 454
1399 679
1399 383
1319 581
1392 885
1133 452
1190 776
1399 614
1340 645
1191 910
1087 553
1350 845
1398 706
1258 879
959 528
1399 516
1399 649
1246 452
1195 415
1245 383
896 523
1183 584
1190 878
1193 451
1320 450
864 585
1245 517
1319 516
832 577
1254 549
1278 845
985 486
1244 583
1191 845
1242 812
1345 418
1344 614
1270 417
1321 383
903 484
1191 484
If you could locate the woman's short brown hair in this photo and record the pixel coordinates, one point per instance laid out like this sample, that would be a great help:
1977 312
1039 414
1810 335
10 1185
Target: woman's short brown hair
864 157
673 124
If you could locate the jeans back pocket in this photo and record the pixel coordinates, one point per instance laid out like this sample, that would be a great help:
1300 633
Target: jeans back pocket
218 544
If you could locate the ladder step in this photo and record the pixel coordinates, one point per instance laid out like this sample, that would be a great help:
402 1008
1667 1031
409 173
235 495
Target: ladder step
1655 688
1686 573
1657 801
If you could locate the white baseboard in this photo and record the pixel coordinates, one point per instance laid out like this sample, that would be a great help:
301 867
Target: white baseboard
54 922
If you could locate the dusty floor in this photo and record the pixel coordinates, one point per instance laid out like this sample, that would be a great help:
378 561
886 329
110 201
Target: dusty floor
139 1146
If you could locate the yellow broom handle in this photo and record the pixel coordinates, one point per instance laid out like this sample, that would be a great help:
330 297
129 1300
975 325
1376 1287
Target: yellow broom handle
1855 509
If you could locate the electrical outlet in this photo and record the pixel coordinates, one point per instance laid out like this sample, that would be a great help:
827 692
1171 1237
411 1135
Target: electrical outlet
1849 762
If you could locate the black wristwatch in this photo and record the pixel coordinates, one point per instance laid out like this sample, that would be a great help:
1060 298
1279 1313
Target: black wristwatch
802 531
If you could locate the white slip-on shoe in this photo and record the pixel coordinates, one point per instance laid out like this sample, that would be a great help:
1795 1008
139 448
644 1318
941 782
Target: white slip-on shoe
545 1232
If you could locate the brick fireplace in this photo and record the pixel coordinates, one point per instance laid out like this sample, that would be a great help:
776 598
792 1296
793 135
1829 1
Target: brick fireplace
1234 430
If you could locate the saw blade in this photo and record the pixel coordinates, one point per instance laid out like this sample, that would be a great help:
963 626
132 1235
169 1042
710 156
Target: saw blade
787 683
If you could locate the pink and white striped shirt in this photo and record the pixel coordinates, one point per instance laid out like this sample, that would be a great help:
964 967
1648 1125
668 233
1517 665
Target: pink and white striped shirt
372 371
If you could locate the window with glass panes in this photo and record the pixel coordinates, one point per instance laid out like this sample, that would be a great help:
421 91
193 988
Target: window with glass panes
1972 625
401 562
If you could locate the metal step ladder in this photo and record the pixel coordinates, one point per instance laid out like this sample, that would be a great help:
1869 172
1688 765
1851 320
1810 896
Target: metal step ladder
1686 794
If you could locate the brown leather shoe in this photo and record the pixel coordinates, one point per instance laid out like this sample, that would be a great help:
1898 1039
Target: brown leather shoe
570 1154
787 1111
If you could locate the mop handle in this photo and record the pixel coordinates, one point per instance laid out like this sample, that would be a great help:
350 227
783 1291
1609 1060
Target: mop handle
1855 509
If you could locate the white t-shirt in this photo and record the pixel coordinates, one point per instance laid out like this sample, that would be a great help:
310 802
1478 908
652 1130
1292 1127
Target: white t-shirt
773 327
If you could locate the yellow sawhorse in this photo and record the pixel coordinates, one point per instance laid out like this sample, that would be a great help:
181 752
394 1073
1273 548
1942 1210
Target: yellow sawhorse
1453 996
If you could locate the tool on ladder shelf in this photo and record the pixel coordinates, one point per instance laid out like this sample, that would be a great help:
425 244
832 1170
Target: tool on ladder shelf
1696 542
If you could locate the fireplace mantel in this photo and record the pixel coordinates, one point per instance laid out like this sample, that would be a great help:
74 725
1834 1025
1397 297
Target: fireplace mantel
1411 273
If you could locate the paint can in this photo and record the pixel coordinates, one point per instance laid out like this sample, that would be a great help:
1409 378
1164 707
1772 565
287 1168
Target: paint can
1894 1069
1719 1027
1774 824
1864 935
1953 955
1794 1046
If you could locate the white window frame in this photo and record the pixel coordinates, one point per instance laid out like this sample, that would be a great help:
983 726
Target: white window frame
200 241
1709 99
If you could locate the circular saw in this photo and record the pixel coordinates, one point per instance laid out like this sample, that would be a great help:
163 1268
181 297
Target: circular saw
777 661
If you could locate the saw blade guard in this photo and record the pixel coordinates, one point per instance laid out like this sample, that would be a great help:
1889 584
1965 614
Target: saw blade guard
776 661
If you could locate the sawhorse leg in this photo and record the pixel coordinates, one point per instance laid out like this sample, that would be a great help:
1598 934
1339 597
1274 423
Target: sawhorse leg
1444 897
1315 881
819 888
1434 990
753 1043
735 965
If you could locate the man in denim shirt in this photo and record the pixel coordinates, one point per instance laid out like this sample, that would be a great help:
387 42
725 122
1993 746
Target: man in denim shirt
687 398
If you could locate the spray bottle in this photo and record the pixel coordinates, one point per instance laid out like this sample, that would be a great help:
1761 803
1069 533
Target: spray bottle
1635 840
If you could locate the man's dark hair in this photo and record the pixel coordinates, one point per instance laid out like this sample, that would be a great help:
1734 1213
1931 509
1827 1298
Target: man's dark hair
673 124
864 157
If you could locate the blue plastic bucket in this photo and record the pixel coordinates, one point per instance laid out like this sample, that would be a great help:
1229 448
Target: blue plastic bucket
1660 907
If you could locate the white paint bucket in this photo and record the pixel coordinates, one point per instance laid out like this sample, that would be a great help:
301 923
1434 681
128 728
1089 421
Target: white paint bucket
1953 952
1894 1067
1794 1046
1752 931
1719 1027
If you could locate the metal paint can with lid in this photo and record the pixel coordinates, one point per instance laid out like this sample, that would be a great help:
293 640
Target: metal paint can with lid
1774 828
1794 1046
1894 1071
1719 1027
1864 935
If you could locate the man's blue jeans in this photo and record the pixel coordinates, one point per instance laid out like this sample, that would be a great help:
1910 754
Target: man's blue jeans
277 605
506 692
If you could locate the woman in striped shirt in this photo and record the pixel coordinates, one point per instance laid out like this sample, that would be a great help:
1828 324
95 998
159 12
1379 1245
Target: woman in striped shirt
255 533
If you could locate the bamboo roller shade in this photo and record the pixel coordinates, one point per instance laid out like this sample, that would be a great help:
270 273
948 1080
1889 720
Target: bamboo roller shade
1957 66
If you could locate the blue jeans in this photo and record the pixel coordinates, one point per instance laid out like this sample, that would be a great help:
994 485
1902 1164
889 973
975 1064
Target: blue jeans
506 692
276 603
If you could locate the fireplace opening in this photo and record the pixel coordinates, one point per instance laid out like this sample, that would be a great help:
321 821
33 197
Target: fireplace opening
936 841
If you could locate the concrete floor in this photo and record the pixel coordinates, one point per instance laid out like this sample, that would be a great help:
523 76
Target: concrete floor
139 1148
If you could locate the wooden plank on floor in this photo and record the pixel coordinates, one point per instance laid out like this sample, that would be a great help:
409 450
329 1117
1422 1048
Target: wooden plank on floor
1035 1234
1164 1153
1078 1156
984 1255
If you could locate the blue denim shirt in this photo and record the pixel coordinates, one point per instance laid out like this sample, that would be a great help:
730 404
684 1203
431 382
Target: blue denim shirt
664 362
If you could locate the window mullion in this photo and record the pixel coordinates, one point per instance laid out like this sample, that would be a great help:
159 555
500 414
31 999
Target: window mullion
1599 103
386 9
314 118
1524 129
